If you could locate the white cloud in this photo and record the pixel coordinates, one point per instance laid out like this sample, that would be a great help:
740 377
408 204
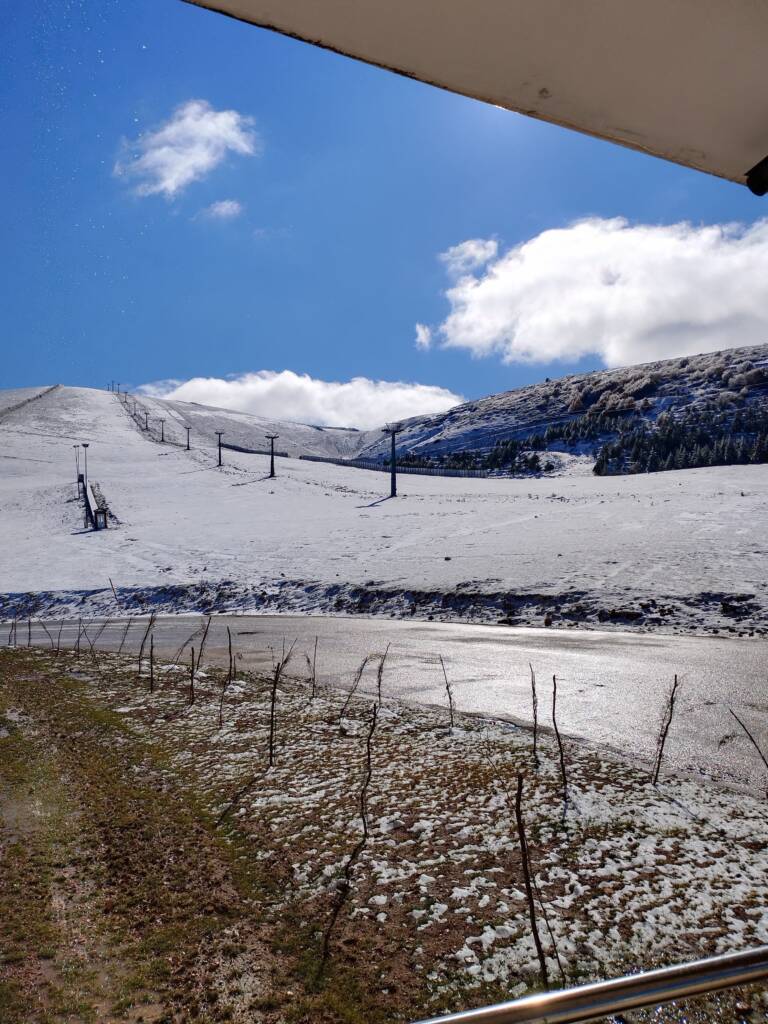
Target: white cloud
469 255
626 293
423 337
286 395
194 141
223 209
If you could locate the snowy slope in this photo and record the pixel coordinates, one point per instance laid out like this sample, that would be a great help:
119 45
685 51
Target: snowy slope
644 390
244 429
15 398
671 549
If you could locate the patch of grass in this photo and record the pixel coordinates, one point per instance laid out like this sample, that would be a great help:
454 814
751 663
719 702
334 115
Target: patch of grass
37 837
341 997
13 1004
170 885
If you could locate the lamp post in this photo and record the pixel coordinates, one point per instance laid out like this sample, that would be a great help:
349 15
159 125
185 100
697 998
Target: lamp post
77 467
162 430
187 430
393 429
85 468
218 434
271 438
146 420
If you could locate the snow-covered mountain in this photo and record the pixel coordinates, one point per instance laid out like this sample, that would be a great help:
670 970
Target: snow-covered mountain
242 429
732 379
735 377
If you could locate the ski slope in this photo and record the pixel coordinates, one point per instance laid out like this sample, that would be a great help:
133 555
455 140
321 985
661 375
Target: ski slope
682 550
246 430
736 378
12 399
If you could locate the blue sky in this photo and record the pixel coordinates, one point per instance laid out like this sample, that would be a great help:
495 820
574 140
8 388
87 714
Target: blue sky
360 181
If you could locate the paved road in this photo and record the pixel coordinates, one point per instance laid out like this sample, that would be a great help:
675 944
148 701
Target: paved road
611 686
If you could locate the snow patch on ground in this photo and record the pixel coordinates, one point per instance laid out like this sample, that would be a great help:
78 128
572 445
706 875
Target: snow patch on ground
631 876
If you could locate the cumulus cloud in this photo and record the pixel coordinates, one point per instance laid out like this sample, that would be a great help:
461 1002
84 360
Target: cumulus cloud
423 337
223 209
469 255
194 141
625 293
286 395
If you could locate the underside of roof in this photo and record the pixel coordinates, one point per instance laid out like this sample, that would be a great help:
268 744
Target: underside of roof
685 80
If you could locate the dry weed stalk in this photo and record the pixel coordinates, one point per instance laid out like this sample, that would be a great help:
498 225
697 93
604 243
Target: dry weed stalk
753 741
527 879
563 774
124 637
228 680
449 691
202 643
147 631
279 668
97 664
50 638
104 625
510 803
666 722
314 670
92 643
380 673
84 634
353 689
345 882
535 704
151 663
187 642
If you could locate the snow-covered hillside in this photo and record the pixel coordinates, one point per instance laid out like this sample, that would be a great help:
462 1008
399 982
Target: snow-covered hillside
734 379
738 375
242 429
18 397
684 549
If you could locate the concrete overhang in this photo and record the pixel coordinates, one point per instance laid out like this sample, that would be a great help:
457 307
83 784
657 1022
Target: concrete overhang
686 80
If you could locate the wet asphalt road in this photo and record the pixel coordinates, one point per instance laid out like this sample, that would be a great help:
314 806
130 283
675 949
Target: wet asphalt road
611 685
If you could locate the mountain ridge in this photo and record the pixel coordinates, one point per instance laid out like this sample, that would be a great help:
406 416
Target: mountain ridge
523 429
645 389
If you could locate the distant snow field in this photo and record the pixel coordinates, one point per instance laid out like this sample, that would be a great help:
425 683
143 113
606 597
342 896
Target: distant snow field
682 549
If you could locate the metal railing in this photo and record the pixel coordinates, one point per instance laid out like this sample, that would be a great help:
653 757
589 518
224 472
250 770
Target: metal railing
603 998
